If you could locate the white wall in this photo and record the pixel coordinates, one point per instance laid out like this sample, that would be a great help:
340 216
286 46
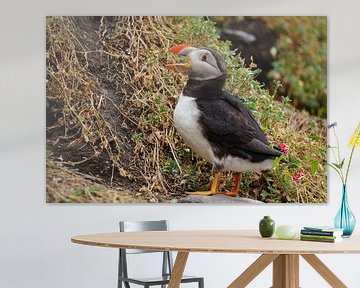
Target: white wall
35 248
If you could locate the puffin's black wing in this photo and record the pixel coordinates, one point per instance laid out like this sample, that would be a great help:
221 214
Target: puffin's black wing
230 127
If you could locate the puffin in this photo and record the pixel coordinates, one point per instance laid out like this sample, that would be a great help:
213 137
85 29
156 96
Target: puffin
215 124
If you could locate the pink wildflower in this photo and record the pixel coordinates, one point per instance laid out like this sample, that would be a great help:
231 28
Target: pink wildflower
298 176
284 148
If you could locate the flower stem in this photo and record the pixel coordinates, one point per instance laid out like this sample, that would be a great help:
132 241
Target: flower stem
337 171
338 146
340 171
334 154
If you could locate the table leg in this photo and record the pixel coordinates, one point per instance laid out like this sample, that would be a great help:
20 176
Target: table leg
178 269
253 270
286 271
324 271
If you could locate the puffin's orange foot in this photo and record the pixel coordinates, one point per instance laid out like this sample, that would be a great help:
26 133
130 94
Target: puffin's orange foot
213 189
205 193
236 186
231 193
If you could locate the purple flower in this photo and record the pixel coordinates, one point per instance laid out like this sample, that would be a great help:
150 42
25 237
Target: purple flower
332 125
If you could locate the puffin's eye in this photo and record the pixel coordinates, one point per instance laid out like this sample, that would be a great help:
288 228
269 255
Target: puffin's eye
204 57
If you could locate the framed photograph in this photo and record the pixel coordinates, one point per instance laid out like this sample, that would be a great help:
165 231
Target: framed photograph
186 109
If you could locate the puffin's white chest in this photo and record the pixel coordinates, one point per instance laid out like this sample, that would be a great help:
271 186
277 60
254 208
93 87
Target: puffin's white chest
186 120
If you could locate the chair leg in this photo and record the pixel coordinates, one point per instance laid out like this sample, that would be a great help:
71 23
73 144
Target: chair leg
165 265
120 270
126 284
201 283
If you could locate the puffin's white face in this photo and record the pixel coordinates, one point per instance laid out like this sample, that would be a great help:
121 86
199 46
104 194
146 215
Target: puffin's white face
200 63
204 65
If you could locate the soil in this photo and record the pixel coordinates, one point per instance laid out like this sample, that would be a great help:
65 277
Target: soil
87 31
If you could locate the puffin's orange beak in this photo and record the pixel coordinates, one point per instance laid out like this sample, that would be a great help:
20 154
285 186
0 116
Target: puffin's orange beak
182 50
179 67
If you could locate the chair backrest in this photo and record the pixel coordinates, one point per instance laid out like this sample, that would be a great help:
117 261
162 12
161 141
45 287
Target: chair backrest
133 226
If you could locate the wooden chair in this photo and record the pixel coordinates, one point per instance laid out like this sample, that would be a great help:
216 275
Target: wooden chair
167 263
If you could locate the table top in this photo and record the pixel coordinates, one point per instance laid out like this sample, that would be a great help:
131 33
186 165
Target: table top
217 241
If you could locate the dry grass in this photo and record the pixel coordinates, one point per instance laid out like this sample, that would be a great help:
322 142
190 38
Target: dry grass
113 101
66 186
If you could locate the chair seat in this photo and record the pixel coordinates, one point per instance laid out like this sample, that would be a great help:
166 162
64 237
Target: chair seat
158 280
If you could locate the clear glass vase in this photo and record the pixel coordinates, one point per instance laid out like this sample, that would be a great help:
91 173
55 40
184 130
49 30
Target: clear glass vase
345 219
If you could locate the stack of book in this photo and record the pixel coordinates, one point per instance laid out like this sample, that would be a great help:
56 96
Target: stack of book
321 234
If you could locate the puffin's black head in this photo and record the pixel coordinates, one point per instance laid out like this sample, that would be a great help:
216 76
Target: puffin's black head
200 63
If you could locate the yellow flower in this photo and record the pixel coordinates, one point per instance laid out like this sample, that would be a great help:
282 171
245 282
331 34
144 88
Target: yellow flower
355 138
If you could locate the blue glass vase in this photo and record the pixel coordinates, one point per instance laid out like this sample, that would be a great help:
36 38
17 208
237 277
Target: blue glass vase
345 219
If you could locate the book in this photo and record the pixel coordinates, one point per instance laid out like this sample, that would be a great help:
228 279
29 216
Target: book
321 233
323 228
319 236
326 240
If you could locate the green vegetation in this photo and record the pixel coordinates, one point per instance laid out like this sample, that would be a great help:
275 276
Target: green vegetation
146 152
301 60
